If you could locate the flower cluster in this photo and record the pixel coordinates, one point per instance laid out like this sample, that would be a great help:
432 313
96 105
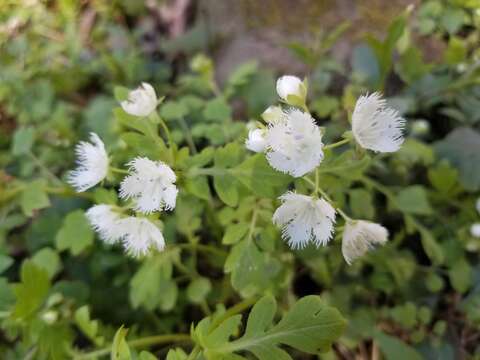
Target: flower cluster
150 185
292 143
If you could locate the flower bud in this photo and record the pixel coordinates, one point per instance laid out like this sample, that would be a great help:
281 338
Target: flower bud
272 113
292 90
140 102
475 230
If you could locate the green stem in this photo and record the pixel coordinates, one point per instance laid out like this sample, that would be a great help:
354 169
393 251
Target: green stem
204 248
237 308
68 192
45 169
325 195
188 135
337 144
252 225
142 342
118 171
157 119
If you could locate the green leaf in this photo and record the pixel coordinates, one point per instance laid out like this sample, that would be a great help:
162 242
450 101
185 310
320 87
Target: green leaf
120 349
75 234
199 187
152 286
462 149
54 340
32 290
433 250
310 326
413 200
176 354
7 296
361 203
23 141
395 349
34 197
443 177
456 51
226 189
198 290
460 275
234 233
120 93
172 110
258 176
145 355
217 110
49 260
88 326
5 262
251 270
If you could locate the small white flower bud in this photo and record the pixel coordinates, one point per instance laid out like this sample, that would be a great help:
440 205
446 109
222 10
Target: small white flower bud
475 230
290 85
140 102
50 317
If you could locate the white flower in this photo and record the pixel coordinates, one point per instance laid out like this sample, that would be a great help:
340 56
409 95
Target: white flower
106 222
304 219
359 236
256 140
475 230
376 126
141 101
290 85
140 236
294 143
272 113
150 185
92 164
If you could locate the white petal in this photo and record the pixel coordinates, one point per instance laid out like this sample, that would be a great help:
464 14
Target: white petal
105 221
140 102
294 143
141 236
359 236
92 161
256 140
289 85
150 185
376 126
304 219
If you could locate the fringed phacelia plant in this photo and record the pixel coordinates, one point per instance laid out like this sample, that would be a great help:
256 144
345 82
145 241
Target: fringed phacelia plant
292 142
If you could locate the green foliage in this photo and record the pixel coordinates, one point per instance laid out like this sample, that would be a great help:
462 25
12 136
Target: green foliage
310 326
64 69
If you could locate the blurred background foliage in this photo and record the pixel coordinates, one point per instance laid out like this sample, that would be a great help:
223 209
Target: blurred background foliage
216 62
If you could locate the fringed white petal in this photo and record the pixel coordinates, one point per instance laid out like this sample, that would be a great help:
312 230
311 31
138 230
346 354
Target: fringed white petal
359 237
141 236
92 161
140 102
375 126
304 219
294 143
150 184
106 222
